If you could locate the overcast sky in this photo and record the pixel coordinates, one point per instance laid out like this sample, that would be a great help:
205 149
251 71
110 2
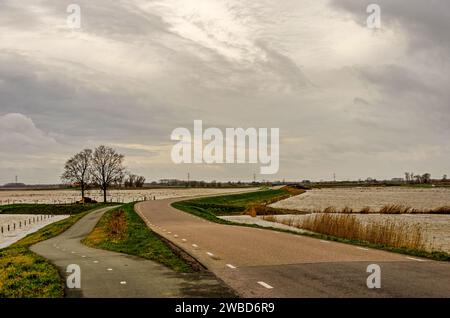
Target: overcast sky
347 99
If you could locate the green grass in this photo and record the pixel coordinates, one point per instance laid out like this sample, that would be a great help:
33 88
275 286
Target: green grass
24 274
54 209
135 238
234 204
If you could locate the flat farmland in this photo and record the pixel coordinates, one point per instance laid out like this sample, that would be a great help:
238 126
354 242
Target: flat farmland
357 199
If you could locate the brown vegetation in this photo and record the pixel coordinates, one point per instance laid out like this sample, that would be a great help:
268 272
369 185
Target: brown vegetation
387 209
117 225
386 233
264 209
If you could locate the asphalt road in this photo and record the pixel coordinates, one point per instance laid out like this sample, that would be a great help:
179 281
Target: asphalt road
263 263
111 274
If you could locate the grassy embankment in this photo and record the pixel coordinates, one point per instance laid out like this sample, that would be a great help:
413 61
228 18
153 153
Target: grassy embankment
122 230
253 203
24 274
345 229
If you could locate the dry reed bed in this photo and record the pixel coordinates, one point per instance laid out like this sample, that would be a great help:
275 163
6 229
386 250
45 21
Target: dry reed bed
386 233
420 231
386 209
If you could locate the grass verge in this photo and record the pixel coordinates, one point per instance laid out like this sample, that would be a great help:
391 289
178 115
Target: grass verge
236 204
212 207
122 230
24 274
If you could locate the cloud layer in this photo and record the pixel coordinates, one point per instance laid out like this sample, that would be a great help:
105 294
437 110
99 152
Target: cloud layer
347 99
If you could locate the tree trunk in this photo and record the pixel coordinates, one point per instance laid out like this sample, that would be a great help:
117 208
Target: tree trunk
104 195
82 190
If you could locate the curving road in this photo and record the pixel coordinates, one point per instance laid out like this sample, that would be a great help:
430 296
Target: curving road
263 263
110 274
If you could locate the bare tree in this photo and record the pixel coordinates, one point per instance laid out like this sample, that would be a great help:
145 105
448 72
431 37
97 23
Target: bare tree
107 168
139 182
134 181
407 176
129 181
426 178
76 169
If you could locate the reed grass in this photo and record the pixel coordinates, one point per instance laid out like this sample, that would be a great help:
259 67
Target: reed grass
386 233
386 209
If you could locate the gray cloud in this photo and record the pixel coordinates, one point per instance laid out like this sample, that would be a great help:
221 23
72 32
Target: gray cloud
138 69
426 22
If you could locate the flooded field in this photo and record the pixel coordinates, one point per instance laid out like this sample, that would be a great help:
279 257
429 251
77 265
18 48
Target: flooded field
435 227
375 199
13 227
70 196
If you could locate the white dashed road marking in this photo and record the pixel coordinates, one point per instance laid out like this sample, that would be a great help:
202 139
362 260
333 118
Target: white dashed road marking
123 282
265 285
362 248
195 245
95 262
324 241
416 259
231 266
184 240
210 254
109 269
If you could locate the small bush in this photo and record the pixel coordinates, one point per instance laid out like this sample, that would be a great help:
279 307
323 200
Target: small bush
117 225
441 210
395 209
365 210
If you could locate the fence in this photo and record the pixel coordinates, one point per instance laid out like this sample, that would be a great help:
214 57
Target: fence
16 225
68 201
